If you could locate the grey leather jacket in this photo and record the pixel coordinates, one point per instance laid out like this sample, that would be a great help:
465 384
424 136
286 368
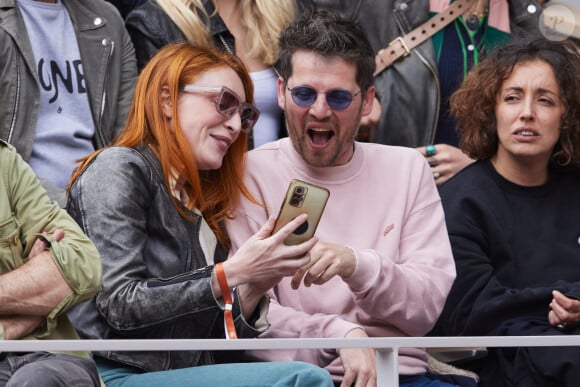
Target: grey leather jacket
109 66
409 90
156 282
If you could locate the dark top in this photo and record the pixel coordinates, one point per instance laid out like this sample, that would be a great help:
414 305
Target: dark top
512 245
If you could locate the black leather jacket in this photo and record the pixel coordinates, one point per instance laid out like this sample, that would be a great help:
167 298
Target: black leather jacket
151 28
409 90
156 282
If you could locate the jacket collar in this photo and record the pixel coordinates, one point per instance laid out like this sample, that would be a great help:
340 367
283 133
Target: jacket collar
216 24
83 18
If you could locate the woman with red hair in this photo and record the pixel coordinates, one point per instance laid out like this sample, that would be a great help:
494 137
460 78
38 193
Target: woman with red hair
154 204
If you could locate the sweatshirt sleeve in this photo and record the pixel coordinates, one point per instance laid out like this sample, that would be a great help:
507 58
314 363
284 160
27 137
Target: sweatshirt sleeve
411 277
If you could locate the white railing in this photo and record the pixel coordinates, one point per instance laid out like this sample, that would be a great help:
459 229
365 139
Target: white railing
387 347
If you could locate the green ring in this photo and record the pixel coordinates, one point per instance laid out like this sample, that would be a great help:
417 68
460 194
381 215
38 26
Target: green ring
430 150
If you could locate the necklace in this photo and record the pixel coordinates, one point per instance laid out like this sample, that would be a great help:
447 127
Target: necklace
475 14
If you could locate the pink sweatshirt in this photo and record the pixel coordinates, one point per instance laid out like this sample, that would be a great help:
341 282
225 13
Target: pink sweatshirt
385 206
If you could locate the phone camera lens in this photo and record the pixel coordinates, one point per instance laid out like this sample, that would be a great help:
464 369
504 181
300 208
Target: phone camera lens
299 190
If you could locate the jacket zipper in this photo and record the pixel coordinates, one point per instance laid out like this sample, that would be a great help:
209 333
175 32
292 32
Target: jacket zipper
99 130
16 102
399 20
226 45
438 96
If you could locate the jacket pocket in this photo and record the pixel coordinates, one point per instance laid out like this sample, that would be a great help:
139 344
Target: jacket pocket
11 248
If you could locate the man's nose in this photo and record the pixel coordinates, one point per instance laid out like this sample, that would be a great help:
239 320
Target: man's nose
320 108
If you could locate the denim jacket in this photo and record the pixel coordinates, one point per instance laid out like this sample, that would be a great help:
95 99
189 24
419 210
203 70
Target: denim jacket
156 282
26 212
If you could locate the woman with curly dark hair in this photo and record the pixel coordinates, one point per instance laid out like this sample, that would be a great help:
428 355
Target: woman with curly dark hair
512 216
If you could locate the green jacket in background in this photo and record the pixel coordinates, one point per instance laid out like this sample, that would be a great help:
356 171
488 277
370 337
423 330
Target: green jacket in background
25 212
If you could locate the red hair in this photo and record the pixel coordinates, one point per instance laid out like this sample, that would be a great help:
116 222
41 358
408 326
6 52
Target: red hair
214 193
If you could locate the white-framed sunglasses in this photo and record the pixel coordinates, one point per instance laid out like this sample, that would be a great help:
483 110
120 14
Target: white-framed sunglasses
228 103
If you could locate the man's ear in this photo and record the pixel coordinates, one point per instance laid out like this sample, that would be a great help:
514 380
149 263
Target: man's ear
166 105
368 101
281 94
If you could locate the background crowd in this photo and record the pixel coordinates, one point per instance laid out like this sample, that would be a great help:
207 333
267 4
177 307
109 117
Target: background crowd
161 135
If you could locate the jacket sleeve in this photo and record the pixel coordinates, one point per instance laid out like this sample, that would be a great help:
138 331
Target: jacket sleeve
127 81
75 255
150 29
145 47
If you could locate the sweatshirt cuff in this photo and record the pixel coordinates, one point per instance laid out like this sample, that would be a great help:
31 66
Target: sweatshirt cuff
365 273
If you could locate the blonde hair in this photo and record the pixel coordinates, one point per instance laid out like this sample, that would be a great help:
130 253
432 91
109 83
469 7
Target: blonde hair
263 19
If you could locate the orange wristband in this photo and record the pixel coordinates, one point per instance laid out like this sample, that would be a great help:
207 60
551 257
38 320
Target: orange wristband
229 326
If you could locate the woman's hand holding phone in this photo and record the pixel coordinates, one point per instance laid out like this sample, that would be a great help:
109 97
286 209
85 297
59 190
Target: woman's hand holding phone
281 247
302 198
264 258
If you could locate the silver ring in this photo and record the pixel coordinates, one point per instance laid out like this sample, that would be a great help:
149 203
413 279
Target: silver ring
436 175
432 161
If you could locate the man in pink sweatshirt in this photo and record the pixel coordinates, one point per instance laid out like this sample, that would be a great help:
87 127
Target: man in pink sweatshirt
383 264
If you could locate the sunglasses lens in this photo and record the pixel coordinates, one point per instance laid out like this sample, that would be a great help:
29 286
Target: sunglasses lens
249 115
303 96
338 99
227 103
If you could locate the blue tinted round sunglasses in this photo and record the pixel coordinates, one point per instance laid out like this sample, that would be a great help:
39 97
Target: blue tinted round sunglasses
228 103
337 99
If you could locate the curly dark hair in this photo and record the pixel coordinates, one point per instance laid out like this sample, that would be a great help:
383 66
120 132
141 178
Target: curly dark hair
325 32
473 104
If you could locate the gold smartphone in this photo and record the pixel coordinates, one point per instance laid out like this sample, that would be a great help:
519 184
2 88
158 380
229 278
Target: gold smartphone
302 198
